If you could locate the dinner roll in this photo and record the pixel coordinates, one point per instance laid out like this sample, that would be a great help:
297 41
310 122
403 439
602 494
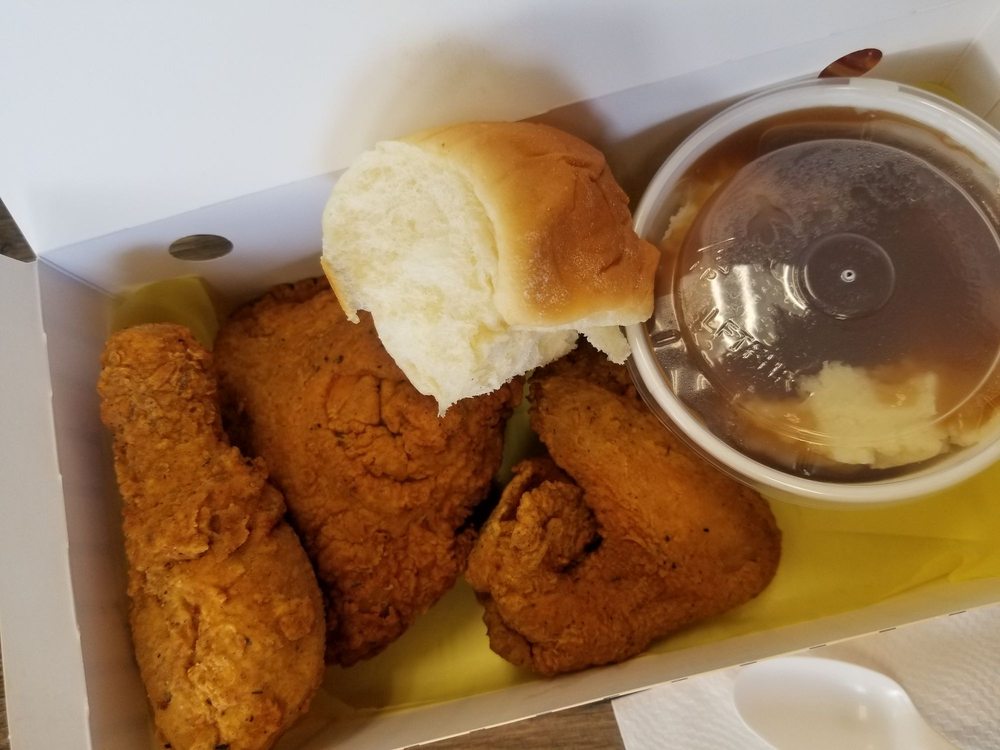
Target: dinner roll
483 249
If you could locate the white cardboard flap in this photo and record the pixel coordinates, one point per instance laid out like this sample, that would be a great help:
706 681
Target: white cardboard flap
46 703
124 113
276 232
75 317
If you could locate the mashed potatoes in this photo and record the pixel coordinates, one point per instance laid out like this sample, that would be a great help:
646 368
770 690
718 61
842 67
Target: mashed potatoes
880 418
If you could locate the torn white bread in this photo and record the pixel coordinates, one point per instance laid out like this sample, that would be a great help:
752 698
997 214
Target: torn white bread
482 250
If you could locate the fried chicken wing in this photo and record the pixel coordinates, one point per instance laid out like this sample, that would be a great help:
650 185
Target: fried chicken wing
226 615
621 537
380 488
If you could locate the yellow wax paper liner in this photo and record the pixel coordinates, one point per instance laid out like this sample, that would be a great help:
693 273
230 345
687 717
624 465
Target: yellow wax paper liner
832 561
185 300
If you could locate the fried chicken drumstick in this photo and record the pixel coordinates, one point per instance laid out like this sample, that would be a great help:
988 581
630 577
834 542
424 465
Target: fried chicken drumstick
226 615
622 537
380 488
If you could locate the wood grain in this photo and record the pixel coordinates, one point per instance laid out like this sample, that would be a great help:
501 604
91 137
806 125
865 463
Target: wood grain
590 727
4 738
12 242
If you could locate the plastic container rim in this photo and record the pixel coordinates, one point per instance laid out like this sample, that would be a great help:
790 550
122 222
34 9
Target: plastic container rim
929 109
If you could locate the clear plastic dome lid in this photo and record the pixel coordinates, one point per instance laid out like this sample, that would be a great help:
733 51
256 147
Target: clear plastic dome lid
829 297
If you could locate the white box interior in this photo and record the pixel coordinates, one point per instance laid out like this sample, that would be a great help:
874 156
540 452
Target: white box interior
66 654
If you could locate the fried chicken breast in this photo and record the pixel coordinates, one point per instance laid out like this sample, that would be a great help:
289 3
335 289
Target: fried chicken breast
226 615
621 537
380 488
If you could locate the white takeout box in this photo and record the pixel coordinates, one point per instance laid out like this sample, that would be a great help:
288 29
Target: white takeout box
130 126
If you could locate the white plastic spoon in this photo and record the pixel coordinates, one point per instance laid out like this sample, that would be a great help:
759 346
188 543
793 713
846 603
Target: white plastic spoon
810 703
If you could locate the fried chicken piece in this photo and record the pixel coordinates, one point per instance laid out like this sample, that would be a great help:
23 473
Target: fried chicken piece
226 615
380 488
622 537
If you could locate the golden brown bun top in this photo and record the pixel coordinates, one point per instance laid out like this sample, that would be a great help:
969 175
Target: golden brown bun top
567 249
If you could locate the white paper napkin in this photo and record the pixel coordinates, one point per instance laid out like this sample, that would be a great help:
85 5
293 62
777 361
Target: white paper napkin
950 666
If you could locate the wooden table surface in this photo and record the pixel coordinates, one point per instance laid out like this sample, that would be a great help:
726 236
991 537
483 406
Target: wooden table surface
4 742
585 728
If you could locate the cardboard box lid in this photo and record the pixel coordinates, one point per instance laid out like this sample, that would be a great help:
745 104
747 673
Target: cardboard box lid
41 645
124 113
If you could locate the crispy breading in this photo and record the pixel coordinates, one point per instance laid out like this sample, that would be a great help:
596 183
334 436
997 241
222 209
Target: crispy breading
622 537
226 615
380 488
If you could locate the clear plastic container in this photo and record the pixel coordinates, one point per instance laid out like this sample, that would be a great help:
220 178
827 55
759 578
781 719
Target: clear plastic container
827 317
